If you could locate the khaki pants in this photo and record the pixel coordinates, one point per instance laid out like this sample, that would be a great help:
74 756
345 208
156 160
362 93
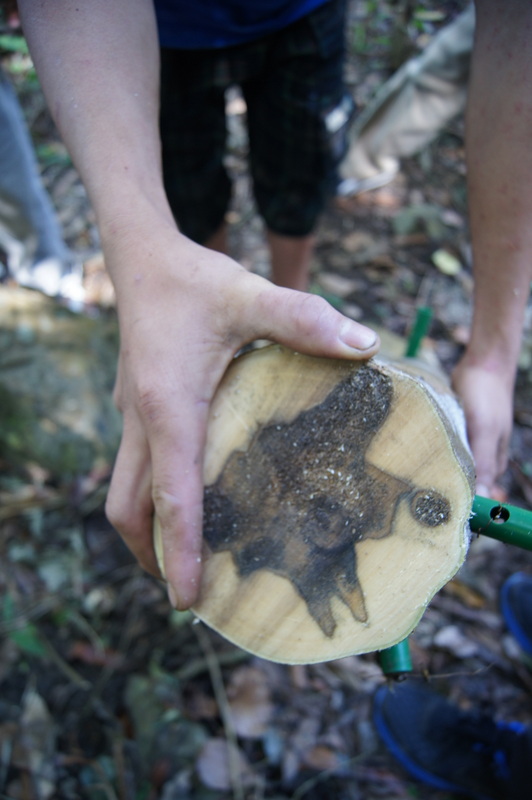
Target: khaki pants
410 109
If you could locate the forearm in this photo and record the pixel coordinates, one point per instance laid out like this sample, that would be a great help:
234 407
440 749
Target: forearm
499 163
499 160
183 310
98 64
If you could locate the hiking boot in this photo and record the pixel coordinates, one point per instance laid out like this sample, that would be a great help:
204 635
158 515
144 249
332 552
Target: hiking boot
454 750
516 607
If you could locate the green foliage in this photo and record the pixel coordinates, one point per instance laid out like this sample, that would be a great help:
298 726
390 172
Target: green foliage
17 61
26 435
371 32
14 44
52 153
26 637
332 299
14 421
421 217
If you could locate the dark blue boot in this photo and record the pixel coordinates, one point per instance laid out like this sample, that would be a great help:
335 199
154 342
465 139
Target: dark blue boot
454 750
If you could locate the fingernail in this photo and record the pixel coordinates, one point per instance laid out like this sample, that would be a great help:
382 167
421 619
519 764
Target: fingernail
172 595
357 337
482 490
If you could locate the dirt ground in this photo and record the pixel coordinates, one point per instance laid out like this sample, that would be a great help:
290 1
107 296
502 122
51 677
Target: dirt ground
105 691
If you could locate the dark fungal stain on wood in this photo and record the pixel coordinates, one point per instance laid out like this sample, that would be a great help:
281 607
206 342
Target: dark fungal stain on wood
303 494
430 508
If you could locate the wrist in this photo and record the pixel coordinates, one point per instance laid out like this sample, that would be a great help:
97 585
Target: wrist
135 234
497 361
495 340
130 205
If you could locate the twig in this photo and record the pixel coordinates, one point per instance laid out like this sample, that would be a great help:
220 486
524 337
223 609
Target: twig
99 787
65 668
30 612
486 618
196 666
310 783
67 760
17 508
220 694
86 628
120 768
123 645
5 760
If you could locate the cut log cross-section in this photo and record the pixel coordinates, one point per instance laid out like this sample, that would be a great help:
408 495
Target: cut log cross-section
337 500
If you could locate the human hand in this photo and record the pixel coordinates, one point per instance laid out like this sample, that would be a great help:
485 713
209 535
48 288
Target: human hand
183 316
487 399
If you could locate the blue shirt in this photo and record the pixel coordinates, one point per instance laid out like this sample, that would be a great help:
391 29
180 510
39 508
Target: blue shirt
198 24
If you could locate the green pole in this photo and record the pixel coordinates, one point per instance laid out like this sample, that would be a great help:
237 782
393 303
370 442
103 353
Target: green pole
501 521
395 660
419 329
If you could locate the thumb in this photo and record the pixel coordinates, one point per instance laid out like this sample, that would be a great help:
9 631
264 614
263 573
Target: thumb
309 324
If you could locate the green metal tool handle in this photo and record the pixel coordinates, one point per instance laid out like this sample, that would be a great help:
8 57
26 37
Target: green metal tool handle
502 521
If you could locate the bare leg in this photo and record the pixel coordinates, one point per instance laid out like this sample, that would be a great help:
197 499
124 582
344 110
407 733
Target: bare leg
218 240
291 256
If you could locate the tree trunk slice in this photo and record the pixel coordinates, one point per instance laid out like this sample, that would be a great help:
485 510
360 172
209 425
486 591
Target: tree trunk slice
337 500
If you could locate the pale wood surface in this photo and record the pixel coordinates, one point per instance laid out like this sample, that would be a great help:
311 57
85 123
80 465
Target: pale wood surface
337 503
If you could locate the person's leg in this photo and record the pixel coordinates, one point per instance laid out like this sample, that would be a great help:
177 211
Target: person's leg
291 257
218 240
192 123
294 144
29 229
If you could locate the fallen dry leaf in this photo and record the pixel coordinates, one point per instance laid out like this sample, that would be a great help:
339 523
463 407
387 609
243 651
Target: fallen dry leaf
338 284
199 705
446 262
99 657
383 261
250 706
464 593
358 240
322 758
452 639
220 764
34 746
301 742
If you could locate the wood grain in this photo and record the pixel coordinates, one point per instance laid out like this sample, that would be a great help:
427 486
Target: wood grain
337 499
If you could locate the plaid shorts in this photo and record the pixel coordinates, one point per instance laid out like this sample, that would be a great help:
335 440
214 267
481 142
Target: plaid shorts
297 110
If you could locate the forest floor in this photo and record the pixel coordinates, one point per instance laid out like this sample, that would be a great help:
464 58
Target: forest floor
106 693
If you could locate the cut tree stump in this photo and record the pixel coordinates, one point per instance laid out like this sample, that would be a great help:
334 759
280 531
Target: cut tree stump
337 499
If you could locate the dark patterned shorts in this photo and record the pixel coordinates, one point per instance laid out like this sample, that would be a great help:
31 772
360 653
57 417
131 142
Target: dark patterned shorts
297 110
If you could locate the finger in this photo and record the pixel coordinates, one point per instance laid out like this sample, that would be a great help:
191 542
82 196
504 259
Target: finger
485 446
176 448
179 509
309 324
503 450
129 505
